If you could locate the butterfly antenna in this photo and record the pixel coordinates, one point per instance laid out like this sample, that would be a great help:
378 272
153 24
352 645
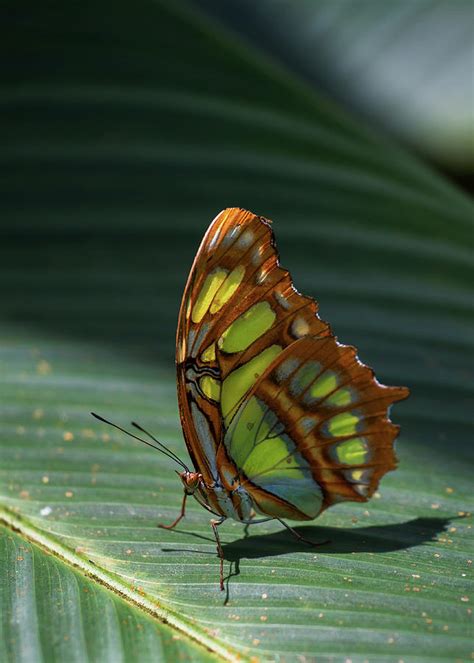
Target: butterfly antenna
160 444
164 450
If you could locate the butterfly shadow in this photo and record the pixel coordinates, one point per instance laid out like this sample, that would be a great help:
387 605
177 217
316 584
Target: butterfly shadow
338 540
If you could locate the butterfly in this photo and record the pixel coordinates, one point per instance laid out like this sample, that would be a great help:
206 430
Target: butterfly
281 421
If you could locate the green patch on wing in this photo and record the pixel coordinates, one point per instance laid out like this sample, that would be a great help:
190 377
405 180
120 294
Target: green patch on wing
343 424
352 452
269 458
237 383
247 328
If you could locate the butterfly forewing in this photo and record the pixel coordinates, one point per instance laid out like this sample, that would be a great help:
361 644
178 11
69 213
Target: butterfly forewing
239 310
266 392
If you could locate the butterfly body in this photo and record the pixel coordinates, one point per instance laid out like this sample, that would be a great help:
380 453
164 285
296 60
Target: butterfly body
224 498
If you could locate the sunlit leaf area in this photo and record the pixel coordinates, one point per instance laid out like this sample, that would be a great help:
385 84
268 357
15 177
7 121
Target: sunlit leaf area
126 127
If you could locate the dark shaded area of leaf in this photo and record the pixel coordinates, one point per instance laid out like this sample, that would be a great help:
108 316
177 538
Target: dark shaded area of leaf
374 539
309 41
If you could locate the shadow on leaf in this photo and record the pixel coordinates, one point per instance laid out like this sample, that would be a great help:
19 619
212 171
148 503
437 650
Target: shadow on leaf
373 539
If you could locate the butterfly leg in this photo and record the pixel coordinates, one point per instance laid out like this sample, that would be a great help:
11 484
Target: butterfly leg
298 536
181 514
215 524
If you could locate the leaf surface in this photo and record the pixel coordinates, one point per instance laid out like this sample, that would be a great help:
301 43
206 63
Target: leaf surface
104 207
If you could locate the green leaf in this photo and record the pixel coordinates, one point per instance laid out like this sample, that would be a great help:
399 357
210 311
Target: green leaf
405 65
51 612
127 131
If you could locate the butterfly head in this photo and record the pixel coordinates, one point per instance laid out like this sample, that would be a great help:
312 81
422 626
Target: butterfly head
191 481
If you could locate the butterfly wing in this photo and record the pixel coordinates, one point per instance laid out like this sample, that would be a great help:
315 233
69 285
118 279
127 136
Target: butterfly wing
266 392
239 311
313 430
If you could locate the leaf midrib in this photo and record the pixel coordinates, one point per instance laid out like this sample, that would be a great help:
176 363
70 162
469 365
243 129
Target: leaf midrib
112 582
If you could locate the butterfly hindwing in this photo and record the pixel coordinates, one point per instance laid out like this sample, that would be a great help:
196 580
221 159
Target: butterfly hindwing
313 430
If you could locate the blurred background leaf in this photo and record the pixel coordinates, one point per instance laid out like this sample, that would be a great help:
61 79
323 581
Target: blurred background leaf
126 129
405 66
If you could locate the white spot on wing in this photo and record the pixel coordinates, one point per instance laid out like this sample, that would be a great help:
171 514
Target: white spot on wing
245 240
230 236
358 476
299 327
261 276
214 239
286 368
282 300
257 255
